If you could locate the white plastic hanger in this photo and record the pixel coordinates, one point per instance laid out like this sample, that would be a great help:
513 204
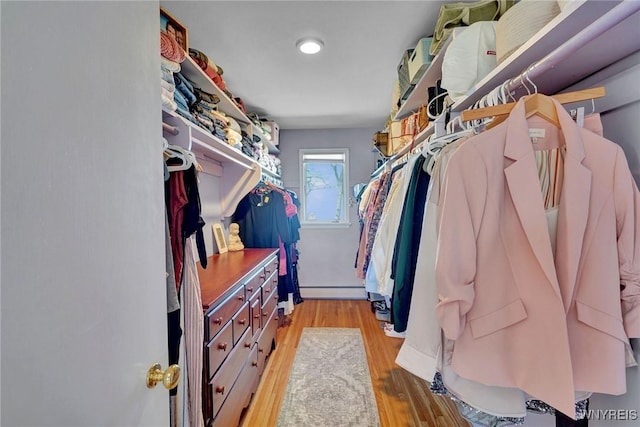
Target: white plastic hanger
185 156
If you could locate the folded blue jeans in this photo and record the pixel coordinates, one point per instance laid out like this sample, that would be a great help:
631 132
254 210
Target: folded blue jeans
188 96
185 87
180 99
187 115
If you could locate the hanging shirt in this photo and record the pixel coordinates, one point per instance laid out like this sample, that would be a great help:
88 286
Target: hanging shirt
262 220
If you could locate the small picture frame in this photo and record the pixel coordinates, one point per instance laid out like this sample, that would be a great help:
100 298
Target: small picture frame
175 29
218 234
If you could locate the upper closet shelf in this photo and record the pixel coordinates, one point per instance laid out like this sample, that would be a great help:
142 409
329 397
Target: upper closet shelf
418 96
610 47
576 16
239 173
194 73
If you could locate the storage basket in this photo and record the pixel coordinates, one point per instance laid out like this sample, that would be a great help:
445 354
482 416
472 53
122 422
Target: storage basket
420 60
381 141
520 23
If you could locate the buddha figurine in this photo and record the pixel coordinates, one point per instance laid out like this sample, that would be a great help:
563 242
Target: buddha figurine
235 244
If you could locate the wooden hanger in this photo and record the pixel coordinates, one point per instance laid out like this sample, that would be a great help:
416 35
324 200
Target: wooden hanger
541 106
500 112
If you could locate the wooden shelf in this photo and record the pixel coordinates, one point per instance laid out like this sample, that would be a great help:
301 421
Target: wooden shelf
192 71
239 173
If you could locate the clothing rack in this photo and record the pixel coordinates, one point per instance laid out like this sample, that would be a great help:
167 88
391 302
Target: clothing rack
269 178
607 21
170 129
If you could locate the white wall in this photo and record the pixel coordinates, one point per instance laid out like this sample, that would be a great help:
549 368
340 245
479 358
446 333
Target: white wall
327 256
209 187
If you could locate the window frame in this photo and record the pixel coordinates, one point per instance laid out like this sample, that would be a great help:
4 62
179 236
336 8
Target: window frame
344 222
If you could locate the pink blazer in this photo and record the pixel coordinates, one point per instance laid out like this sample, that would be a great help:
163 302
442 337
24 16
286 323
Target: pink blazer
521 318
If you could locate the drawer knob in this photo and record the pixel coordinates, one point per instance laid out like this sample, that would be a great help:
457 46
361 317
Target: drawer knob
263 276
247 344
250 289
242 321
266 291
254 363
275 296
223 346
275 318
268 271
265 314
241 297
220 389
257 316
260 350
218 321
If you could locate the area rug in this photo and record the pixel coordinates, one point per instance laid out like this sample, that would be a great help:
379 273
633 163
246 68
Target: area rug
329 383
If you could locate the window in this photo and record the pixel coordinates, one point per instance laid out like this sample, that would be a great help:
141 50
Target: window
324 178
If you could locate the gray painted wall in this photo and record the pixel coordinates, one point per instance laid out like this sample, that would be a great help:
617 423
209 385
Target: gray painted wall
209 187
327 256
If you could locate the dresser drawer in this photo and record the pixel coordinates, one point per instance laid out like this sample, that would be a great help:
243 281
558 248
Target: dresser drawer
240 396
219 348
269 301
222 382
241 322
271 267
252 285
219 316
267 339
255 308
270 287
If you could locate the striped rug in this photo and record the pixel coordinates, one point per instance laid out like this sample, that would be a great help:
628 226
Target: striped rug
329 383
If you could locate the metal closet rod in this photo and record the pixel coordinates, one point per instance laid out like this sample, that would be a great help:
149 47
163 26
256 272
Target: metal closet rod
588 34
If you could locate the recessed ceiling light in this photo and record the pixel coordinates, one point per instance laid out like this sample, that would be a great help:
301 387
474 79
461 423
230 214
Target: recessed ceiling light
310 46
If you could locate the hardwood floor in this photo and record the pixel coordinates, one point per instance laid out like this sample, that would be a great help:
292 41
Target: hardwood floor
403 399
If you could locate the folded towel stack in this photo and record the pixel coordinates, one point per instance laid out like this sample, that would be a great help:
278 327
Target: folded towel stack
167 85
209 67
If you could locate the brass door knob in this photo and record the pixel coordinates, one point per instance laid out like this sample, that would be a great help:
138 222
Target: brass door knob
169 377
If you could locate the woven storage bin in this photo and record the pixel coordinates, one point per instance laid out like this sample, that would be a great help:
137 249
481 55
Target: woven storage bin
381 141
520 23
403 71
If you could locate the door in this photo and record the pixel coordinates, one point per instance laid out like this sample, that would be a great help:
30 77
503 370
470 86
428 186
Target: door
82 228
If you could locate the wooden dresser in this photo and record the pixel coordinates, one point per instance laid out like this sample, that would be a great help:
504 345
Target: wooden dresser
240 298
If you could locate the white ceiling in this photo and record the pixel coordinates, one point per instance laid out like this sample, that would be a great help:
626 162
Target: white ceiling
346 85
